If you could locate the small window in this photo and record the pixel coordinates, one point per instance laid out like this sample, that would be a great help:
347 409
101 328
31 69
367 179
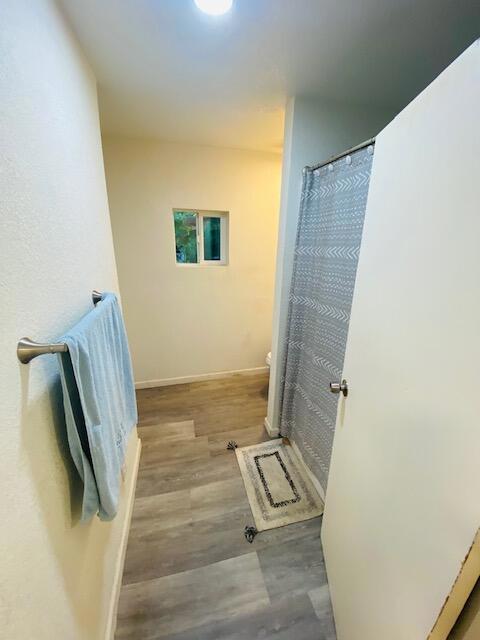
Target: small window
201 237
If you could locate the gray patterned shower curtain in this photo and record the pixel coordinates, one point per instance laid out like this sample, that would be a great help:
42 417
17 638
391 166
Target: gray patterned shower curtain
332 210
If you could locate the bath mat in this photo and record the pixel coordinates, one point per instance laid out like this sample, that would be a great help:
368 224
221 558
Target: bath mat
277 485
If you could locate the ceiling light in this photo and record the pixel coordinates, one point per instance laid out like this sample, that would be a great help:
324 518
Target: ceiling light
214 7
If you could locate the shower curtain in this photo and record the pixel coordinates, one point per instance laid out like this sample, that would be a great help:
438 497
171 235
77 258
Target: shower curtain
332 210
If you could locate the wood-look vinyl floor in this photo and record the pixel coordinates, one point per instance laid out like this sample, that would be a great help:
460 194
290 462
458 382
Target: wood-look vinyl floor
189 572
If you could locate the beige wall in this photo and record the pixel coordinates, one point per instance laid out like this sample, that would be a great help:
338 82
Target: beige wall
185 321
55 247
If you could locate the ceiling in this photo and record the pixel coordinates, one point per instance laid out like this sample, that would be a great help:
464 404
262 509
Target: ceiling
166 70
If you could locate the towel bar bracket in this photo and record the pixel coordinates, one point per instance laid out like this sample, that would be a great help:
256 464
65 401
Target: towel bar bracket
28 349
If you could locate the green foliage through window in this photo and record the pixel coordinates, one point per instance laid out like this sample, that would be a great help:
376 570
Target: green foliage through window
201 237
186 237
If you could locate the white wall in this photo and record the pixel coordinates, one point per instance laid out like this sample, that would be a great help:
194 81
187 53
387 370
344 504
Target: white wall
57 577
314 131
189 320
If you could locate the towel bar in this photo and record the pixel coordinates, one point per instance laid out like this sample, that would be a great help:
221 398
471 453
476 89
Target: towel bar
27 349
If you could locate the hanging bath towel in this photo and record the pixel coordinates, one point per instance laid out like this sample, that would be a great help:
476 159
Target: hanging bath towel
99 402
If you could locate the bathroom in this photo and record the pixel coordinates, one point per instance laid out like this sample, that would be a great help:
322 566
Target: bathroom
265 212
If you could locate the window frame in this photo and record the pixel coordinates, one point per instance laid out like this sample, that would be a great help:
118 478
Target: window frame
224 237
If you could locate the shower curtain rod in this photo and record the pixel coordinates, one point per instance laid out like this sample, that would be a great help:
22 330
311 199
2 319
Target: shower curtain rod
339 155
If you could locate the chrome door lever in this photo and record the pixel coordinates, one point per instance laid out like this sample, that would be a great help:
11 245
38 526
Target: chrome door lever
337 387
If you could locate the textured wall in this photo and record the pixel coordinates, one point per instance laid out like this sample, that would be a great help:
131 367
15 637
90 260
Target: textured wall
55 247
191 320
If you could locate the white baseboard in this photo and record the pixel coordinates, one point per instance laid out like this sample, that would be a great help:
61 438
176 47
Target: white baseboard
312 478
273 433
200 377
117 583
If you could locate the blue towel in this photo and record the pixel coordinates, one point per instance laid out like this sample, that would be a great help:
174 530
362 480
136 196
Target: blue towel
99 402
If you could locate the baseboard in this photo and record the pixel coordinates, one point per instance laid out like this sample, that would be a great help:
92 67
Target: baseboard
312 478
273 433
200 377
117 584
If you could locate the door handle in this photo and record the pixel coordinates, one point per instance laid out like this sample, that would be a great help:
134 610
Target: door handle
337 387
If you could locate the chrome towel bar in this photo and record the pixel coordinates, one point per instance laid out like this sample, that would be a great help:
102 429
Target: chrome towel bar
27 349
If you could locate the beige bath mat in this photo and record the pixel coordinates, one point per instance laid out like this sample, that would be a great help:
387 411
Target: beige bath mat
278 488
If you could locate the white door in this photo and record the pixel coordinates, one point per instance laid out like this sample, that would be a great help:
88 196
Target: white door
403 498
